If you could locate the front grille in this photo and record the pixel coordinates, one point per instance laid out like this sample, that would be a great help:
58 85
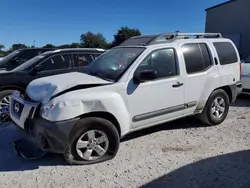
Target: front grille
31 113
17 108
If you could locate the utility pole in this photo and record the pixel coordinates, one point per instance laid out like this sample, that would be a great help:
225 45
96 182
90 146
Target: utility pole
34 42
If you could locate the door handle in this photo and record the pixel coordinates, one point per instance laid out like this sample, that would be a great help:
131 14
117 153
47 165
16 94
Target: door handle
178 84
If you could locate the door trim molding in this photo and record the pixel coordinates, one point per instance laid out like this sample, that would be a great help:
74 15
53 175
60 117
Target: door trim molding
164 111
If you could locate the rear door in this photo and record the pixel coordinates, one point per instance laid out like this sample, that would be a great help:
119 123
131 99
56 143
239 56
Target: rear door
200 74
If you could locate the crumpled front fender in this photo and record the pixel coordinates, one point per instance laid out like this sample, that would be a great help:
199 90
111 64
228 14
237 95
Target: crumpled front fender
71 106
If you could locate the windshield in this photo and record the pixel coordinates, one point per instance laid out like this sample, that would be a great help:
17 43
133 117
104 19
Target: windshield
8 58
112 64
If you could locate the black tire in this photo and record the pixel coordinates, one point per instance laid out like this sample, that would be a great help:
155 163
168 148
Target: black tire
87 124
206 116
4 94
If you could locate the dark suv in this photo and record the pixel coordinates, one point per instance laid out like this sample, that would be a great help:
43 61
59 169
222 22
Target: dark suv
18 57
46 64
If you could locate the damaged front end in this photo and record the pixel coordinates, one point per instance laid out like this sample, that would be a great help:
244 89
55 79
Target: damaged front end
43 134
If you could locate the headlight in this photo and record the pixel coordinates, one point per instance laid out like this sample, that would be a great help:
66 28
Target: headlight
46 109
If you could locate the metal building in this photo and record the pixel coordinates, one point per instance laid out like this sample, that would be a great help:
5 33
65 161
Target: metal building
232 20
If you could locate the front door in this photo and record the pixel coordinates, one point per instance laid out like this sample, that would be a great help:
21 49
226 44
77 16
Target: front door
160 98
56 64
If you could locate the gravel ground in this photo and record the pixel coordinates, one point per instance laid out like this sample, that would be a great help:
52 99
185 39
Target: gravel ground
178 154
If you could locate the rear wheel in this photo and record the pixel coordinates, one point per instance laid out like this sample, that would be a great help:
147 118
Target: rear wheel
92 140
216 109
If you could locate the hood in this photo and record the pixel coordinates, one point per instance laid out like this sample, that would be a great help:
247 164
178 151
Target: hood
43 89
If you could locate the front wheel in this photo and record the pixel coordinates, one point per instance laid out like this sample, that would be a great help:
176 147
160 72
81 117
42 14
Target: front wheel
92 140
216 109
5 104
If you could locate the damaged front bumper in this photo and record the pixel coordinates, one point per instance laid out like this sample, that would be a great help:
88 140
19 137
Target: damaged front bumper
46 135
49 136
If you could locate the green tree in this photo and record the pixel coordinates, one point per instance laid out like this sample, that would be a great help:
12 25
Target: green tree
123 34
18 46
75 45
91 40
1 47
72 45
49 46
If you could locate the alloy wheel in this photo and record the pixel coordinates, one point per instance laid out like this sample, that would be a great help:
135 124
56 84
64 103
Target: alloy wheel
218 107
92 145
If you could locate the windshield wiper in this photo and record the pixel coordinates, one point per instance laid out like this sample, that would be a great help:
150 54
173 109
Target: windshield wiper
99 75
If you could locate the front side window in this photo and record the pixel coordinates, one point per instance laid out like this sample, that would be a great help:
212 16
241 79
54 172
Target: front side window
113 63
162 62
60 61
197 57
226 52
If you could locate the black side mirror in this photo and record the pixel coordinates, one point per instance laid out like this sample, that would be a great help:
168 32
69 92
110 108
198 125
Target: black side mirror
144 75
17 59
36 69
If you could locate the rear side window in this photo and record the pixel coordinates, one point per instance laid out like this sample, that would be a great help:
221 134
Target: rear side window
82 59
197 57
226 52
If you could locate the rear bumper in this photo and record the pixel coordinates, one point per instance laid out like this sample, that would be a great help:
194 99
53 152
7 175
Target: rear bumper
49 136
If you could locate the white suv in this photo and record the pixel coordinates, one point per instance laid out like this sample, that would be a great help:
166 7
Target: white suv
146 81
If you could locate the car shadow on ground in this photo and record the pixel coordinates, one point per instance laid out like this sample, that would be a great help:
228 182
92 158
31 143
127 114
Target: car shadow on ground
184 123
229 170
11 161
243 100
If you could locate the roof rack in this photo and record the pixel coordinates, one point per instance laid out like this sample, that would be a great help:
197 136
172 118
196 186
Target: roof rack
145 40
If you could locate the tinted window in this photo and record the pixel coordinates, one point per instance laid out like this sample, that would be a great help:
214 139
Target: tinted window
197 57
82 59
17 58
26 55
163 62
206 56
226 52
59 61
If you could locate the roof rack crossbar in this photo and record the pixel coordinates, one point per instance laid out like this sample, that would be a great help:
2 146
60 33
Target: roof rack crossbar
145 40
216 35
176 35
